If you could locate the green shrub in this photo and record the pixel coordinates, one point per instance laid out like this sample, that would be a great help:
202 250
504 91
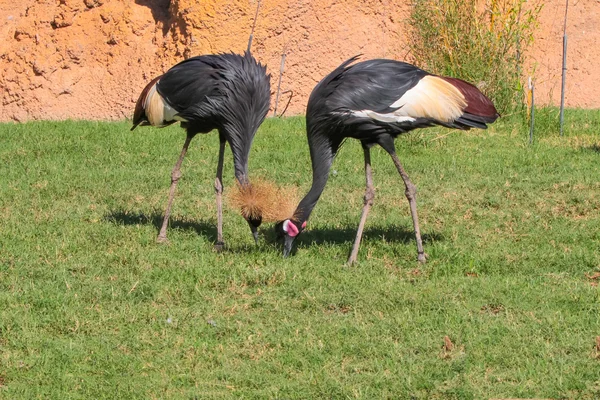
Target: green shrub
484 43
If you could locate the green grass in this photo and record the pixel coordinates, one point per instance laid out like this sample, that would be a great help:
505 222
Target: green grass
92 308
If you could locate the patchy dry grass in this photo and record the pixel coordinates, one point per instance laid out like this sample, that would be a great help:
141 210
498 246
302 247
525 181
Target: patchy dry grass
508 305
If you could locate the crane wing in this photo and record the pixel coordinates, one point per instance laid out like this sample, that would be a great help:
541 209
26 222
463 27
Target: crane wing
373 85
191 87
398 93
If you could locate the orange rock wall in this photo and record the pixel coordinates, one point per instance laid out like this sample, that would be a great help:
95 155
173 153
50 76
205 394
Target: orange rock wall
89 59
583 53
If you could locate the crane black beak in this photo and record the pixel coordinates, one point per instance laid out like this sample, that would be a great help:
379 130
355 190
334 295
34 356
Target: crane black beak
288 242
254 233
254 223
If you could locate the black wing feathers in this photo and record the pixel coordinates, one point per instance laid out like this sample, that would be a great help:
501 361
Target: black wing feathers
375 85
368 85
187 85
229 92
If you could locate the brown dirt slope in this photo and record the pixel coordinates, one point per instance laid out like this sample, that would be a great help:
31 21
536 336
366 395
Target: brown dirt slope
89 59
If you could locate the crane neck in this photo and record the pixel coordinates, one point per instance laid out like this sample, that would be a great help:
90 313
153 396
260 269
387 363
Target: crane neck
322 152
241 171
240 148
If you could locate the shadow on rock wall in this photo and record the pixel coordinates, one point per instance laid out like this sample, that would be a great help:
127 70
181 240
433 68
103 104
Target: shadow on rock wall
160 12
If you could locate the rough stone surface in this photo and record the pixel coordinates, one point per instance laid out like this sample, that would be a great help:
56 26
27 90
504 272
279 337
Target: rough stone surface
89 59
583 55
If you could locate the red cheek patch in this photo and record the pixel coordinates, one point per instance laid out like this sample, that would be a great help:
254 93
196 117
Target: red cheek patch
304 225
292 230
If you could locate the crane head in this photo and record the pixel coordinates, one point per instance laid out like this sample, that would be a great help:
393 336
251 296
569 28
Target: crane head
289 230
254 222
262 201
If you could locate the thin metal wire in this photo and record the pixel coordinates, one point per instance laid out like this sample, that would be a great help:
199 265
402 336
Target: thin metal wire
281 69
564 73
291 92
253 26
532 115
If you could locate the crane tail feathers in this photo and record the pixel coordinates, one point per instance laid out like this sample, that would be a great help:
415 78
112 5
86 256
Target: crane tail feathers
431 98
139 115
152 109
443 101
479 109
467 121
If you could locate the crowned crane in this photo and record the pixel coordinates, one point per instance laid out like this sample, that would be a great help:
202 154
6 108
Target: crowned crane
374 101
226 92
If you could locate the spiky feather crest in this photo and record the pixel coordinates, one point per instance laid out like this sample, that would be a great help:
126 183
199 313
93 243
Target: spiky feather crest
264 199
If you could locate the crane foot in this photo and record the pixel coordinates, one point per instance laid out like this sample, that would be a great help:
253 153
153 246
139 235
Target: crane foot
422 258
162 239
219 247
351 260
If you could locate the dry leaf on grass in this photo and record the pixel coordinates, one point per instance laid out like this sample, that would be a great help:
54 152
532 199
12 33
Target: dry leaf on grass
451 350
593 278
447 348
448 345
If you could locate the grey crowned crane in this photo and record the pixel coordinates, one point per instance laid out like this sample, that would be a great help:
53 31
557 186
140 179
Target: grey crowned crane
374 101
227 92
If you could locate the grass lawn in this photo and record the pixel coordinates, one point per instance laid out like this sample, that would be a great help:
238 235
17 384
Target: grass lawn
92 308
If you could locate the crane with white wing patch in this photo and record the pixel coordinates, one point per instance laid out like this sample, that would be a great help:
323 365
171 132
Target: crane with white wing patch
226 92
374 101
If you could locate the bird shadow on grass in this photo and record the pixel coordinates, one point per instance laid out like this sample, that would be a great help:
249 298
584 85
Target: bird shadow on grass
121 217
593 148
206 229
346 235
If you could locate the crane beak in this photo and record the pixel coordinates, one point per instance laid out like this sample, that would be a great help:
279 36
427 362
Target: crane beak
254 233
254 223
288 242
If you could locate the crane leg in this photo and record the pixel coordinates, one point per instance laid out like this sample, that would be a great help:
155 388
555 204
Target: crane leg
175 175
411 195
368 202
219 193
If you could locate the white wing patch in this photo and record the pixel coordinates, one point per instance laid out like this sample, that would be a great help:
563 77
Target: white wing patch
382 117
157 110
432 97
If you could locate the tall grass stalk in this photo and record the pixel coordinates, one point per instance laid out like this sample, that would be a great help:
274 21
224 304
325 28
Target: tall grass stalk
482 42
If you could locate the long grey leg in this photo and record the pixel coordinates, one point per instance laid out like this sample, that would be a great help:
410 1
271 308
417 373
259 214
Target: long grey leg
219 193
411 195
368 202
175 175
